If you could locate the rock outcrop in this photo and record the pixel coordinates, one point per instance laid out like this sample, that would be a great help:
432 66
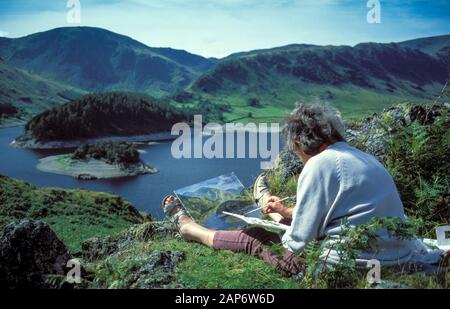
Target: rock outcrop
372 133
141 267
288 164
156 270
98 248
30 253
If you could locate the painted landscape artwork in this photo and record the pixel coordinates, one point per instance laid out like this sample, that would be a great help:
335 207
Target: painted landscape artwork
206 201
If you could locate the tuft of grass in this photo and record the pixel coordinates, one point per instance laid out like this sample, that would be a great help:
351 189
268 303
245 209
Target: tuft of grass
213 269
281 188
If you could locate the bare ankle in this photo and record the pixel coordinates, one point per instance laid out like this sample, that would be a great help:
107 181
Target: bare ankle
184 222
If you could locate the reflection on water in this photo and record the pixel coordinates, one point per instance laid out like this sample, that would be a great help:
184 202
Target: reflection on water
145 192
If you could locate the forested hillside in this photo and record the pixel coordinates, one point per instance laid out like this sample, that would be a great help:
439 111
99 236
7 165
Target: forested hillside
98 115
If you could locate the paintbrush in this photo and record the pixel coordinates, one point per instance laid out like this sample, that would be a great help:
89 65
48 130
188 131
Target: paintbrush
282 200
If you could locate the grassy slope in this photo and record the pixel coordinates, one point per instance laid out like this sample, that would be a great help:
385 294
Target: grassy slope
353 102
240 271
29 93
203 267
225 269
357 80
75 215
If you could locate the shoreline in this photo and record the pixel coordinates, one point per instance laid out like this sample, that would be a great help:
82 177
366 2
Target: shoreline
246 129
141 138
150 138
91 169
12 125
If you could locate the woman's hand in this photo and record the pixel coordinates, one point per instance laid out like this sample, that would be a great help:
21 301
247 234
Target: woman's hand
273 205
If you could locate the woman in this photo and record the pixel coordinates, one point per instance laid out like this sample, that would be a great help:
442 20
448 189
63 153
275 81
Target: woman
338 182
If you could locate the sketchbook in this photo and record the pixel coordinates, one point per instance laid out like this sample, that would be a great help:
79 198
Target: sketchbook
259 222
221 203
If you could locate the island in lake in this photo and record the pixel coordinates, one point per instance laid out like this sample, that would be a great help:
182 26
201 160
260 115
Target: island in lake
98 117
99 161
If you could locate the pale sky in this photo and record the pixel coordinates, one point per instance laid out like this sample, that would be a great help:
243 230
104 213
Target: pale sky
217 28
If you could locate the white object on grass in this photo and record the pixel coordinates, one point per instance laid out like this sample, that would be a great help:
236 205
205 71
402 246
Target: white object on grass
434 243
259 222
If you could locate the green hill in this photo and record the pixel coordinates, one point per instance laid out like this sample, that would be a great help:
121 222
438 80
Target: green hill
98 60
98 115
358 80
438 46
22 95
74 215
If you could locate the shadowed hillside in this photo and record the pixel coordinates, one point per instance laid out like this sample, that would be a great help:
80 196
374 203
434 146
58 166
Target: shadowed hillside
23 95
97 59
438 46
358 80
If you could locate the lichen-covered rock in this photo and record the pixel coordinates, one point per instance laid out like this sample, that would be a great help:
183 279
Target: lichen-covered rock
156 271
372 133
427 115
30 253
99 248
165 229
128 259
288 164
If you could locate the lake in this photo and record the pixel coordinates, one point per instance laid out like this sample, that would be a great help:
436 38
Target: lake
145 192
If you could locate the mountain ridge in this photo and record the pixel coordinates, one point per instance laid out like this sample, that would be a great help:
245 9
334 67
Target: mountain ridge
254 85
98 59
367 76
428 44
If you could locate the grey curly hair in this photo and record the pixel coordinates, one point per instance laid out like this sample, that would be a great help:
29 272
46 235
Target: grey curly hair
311 126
